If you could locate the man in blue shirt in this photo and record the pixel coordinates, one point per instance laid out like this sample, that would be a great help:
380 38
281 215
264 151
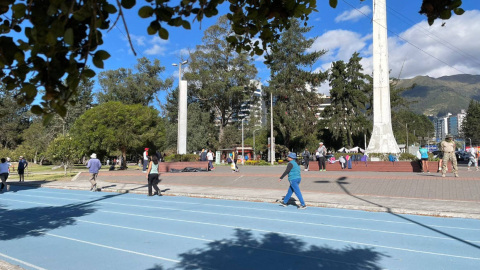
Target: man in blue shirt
22 165
294 177
93 166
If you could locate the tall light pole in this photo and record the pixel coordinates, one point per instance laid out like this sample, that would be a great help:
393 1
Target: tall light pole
272 149
254 155
243 148
470 142
182 111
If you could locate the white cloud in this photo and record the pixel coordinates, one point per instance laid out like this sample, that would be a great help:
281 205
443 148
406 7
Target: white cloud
157 46
353 15
341 44
460 34
138 40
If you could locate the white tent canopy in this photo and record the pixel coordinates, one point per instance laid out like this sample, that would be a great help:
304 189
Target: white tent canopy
356 149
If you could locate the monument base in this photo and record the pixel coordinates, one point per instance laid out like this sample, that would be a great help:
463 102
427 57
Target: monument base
382 140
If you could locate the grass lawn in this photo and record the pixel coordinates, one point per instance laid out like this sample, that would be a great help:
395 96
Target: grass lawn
55 176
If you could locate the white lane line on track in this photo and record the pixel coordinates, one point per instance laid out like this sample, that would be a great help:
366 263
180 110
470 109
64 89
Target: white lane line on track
258 218
193 238
280 233
103 246
22 262
270 210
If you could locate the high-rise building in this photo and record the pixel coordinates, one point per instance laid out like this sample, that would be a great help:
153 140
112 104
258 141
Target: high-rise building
449 124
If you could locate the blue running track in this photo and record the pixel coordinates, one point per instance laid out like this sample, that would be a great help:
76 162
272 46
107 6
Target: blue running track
62 229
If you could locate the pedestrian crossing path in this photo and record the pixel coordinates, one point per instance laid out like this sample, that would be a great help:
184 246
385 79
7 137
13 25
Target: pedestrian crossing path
70 229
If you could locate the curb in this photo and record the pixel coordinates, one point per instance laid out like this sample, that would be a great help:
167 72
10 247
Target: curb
403 211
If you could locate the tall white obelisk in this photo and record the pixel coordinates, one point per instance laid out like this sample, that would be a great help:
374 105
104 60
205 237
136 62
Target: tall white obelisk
382 140
182 118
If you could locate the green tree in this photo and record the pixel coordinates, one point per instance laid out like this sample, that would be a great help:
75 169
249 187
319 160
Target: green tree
62 36
14 121
114 126
218 77
416 125
64 149
471 123
129 87
293 83
37 138
346 116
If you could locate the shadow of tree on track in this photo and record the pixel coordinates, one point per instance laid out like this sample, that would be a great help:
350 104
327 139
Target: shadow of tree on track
275 251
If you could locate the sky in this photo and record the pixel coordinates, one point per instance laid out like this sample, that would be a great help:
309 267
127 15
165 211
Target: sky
414 45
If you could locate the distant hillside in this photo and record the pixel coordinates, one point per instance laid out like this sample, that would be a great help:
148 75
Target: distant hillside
437 96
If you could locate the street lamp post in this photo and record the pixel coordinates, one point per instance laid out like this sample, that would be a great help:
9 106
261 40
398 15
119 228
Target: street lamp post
182 111
470 142
243 148
272 152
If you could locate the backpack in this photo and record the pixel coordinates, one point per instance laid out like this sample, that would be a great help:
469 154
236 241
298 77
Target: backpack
391 158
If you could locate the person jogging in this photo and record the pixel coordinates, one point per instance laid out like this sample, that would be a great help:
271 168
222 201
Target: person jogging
294 177
152 177
93 166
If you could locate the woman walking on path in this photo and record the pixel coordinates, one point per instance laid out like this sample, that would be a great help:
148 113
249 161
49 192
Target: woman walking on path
424 155
294 177
4 171
152 177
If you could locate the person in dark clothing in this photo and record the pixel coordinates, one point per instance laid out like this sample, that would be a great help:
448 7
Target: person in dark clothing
294 177
152 176
203 155
306 159
159 156
235 159
22 165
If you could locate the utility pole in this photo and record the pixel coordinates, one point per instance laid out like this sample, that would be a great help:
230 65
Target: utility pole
272 148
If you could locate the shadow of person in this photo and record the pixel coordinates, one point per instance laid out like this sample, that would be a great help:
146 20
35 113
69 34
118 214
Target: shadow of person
275 251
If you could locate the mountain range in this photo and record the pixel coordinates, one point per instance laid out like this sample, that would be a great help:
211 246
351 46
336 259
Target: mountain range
439 96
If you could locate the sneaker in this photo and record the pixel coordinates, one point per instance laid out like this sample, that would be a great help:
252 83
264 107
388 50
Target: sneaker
283 204
428 171
324 170
302 207
443 175
456 175
476 169
469 169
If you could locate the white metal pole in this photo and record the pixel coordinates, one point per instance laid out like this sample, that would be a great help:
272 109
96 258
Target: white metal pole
406 127
243 148
254 155
272 150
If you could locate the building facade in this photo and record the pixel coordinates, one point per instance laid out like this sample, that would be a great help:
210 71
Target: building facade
449 124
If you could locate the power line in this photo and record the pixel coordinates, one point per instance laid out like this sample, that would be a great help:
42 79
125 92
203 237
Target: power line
437 38
415 46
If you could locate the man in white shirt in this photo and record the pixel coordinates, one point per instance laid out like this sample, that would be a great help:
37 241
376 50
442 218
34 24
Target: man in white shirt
210 160
145 160
472 154
4 171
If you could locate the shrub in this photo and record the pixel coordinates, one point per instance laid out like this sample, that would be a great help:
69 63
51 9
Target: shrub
180 158
407 157
263 163
251 162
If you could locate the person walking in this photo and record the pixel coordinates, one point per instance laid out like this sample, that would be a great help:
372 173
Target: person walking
4 170
235 160
306 159
424 157
322 150
448 149
210 160
294 177
472 154
159 156
93 166
152 177
22 165
145 160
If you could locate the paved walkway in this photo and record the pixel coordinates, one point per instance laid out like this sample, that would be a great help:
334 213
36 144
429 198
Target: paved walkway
410 193
42 228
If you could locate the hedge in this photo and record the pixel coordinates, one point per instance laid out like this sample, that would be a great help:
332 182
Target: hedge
180 158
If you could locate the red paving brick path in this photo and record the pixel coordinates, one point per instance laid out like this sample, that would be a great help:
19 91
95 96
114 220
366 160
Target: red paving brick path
399 184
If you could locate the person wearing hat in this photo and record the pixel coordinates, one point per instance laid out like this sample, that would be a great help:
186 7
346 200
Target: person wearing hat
448 148
93 166
145 160
321 152
22 165
294 177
